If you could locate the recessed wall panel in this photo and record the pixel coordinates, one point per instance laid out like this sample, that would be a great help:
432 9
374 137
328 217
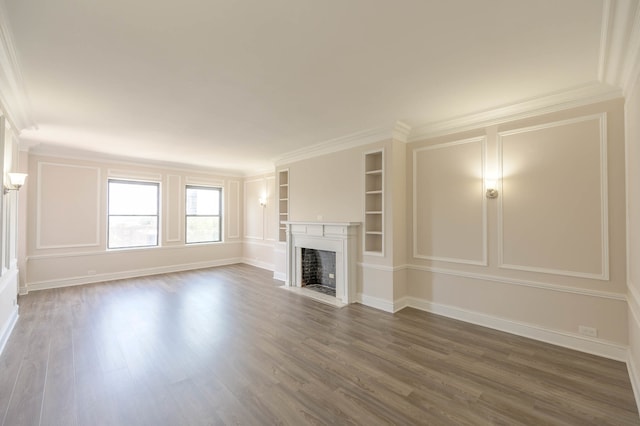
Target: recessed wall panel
254 190
174 204
233 209
449 206
68 206
553 214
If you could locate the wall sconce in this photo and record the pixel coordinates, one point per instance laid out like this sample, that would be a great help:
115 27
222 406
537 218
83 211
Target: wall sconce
491 185
263 202
16 180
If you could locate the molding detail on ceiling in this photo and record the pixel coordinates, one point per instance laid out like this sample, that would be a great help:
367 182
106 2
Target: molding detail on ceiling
578 96
13 96
619 42
632 66
399 131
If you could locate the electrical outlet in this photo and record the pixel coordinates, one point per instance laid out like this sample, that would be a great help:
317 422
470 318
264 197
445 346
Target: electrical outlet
588 331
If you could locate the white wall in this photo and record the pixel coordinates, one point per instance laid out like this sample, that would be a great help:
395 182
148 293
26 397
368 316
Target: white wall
632 113
8 236
261 224
67 223
546 256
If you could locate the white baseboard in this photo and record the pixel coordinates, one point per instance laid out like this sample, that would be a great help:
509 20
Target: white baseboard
90 279
635 379
375 302
280 276
577 342
258 264
8 328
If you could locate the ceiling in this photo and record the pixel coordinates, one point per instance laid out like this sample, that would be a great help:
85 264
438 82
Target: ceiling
236 84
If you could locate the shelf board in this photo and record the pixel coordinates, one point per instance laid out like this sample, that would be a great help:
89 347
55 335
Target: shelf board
373 232
374 172
284 199
373 212
377 191
284 184
284 214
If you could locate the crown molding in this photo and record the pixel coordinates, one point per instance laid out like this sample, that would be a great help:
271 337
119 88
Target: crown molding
54 151
13 95
619 42
572 98
631 71
399 131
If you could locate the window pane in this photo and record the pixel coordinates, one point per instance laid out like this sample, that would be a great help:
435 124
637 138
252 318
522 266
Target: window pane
133 231
133 198
203 229
203 201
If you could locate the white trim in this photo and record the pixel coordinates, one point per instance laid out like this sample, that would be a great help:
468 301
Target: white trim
353 140
575 97
235 183
258 264
604 204
280 276
375 302
260 243
605 28
135 273
577 342
381 267
633 300
271 207
180 208
520 282
618 42
634 378
13 95
483 149
39 244
264 185
120 251
203 181
8 327
133 175
60 152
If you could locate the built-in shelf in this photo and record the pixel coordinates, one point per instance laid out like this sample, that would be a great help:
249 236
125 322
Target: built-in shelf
283 203
374 202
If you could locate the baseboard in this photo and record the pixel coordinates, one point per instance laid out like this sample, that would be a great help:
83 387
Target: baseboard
280 276
375 302
577 342
634 378
8 328
258 264
91 279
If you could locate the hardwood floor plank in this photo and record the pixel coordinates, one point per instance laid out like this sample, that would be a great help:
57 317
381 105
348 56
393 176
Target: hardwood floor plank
224 346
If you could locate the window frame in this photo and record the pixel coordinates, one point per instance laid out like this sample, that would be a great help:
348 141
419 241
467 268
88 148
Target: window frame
157 215
219 215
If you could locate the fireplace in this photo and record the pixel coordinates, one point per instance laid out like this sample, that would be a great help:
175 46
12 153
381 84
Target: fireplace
318 270
332 247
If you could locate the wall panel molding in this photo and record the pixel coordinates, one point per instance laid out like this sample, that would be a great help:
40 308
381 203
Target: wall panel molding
233 230
130 174
90 242
603 195
482 261
521 282
174 196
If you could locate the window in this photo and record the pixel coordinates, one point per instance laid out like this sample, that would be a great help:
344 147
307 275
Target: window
204 224
133 214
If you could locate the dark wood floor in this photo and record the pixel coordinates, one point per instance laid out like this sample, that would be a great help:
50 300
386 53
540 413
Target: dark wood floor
226 346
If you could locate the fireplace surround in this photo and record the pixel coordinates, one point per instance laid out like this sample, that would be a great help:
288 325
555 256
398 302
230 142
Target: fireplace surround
338 237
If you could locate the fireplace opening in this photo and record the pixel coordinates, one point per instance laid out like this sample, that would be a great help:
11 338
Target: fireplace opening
318 269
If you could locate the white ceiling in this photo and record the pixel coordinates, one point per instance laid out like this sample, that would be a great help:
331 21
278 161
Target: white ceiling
235 84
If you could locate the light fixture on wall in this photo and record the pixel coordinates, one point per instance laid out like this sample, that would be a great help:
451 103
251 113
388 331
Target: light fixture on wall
263 202
491 185
16 180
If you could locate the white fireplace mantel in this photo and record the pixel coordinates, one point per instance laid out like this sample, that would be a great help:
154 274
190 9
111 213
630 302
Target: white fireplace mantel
339 237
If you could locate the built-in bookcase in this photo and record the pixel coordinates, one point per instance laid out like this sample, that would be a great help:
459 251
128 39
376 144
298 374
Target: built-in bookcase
283 203
374 202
